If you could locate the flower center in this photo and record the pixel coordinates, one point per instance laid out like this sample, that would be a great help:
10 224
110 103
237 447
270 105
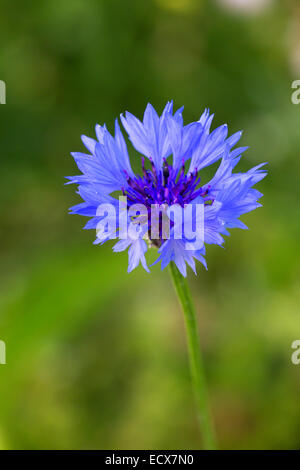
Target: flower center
164 189
167 187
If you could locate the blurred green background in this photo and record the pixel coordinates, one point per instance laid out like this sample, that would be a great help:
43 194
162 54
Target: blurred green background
96 358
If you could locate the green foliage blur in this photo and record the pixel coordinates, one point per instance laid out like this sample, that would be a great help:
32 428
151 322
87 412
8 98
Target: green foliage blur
96 358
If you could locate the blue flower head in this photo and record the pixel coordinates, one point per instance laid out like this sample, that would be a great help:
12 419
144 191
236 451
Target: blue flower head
170 181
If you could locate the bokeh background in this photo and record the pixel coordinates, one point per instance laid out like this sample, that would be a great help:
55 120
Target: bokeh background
96 358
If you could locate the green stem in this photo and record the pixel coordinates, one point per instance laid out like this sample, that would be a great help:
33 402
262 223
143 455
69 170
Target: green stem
196 364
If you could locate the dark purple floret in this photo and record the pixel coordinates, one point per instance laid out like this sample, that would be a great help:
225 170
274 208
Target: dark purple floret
166 187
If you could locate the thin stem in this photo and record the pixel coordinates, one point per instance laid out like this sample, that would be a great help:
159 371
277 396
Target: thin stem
196 364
